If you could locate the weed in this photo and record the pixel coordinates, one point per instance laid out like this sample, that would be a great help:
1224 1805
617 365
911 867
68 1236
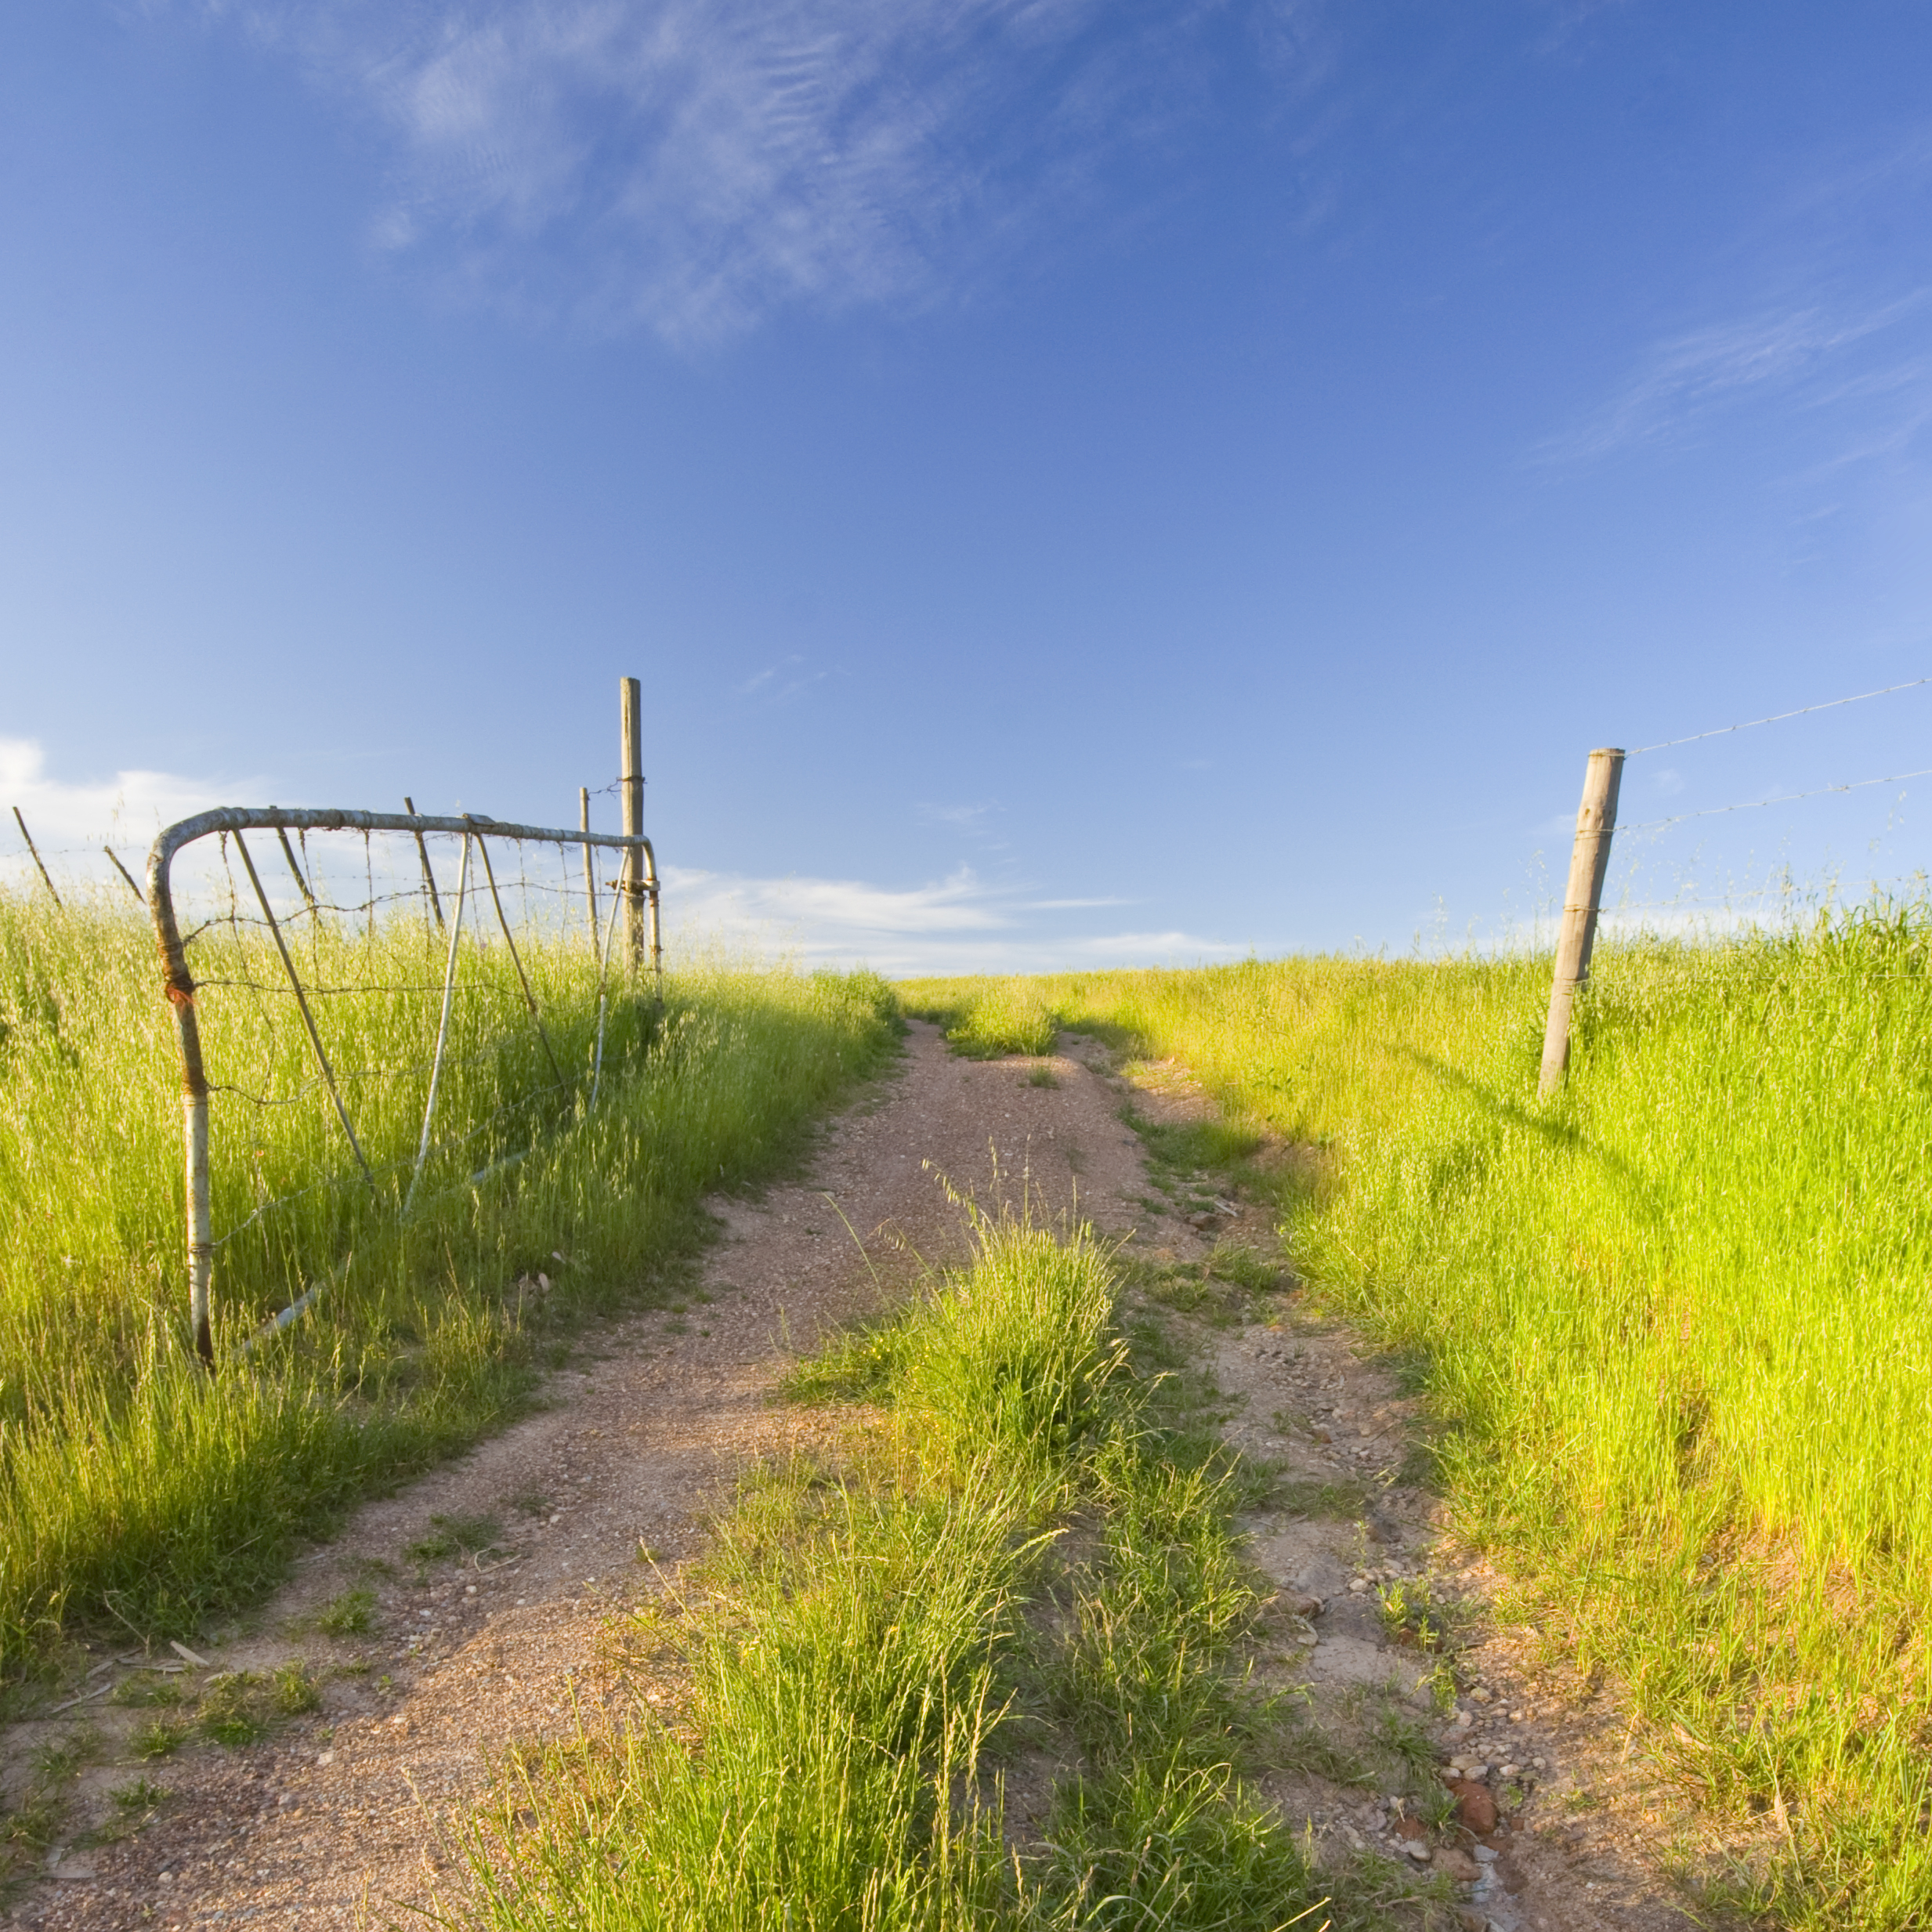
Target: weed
453 1535
1341 1502
1245 1269
60 1762
295 1691
347 1615
143 1691
1414 1615
234 1708
34 1820
160 1737
1042 1076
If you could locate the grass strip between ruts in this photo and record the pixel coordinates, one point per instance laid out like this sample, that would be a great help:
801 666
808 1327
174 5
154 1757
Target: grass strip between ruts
864 1651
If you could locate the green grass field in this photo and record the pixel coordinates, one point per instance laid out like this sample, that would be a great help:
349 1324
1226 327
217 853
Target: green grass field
138 1493
1676 1322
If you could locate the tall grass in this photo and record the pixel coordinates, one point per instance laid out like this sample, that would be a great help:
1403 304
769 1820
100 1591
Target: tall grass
137 1490
863 1649
1678 1322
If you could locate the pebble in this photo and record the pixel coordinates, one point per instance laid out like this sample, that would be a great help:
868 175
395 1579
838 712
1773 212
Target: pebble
1510 1770
1539 1763
1418 1850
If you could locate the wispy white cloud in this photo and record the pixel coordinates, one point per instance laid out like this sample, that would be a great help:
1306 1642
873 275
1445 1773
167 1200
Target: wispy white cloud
959 925
71 820
789 679
689 164
1688 378
963 817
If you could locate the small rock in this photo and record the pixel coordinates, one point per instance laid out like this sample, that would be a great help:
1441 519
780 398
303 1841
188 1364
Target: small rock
1456 1864
1471 1921
1411 1828
1510 1770
1301 1604
325 1757
1539 1763
1358 1586
1475 1810
1486 1855
1418 1850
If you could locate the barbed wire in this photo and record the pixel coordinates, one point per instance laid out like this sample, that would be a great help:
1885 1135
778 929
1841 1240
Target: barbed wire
1777 718
1789 797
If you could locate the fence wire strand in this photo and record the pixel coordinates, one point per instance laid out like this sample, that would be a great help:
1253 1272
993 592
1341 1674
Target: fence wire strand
1777 718
1789 797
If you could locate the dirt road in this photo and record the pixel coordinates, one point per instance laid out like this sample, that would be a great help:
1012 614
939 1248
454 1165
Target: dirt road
538 1539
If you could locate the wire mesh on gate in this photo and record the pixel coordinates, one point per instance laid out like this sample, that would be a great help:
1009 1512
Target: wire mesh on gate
323 1000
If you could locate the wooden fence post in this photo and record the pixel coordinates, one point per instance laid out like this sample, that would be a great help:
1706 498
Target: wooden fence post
1589 859
631 787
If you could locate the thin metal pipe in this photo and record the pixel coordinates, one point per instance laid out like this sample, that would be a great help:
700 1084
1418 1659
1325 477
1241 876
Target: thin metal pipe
530 998
428 878
35 850
443 1027
288 853
301 1000
657 950
178 984
590 874
603 962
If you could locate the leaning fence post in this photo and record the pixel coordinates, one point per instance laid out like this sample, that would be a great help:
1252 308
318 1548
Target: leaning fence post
124 873
1589 859
428 878
630 774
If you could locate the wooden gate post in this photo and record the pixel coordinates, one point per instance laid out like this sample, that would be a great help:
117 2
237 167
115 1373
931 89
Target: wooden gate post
631 788
1589 859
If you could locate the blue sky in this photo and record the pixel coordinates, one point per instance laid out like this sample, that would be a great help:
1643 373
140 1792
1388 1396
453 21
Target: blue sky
1081 484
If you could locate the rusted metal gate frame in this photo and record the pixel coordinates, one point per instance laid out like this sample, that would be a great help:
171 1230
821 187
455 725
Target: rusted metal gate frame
179 983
